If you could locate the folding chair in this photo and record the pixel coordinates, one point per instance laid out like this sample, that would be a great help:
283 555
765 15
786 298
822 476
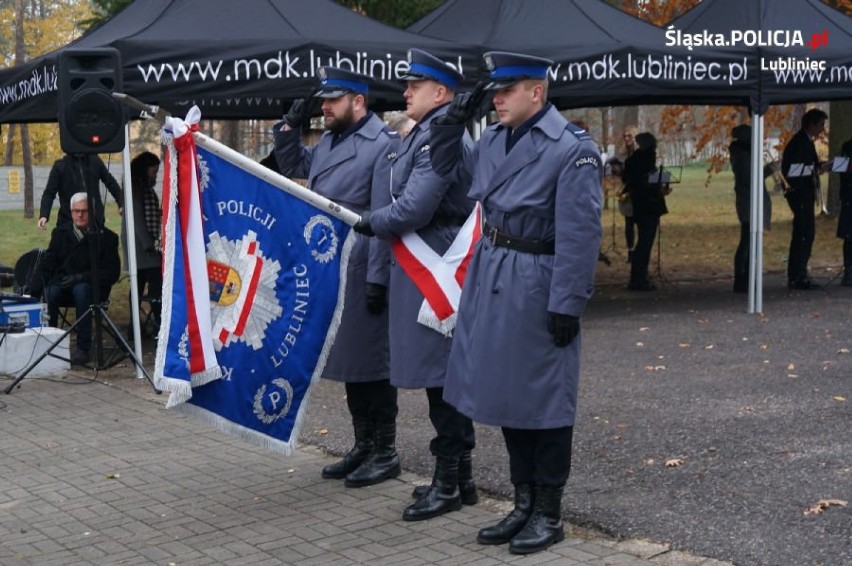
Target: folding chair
28 282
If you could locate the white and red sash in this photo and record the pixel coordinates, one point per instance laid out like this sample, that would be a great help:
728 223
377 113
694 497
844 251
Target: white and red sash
439 278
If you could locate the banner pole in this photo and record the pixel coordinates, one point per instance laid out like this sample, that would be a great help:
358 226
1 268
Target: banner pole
276 179
159 115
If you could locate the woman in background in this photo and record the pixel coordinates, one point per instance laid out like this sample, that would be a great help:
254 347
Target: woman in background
649 204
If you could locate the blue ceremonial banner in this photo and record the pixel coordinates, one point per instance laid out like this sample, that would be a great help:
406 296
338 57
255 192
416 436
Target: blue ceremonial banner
276 268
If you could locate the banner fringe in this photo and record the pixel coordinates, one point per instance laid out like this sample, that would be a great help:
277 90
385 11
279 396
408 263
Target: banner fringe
236 430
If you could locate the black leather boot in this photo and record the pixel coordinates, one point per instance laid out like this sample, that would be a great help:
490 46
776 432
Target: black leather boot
511 525
382 463
467 485
363 429
442 497
544 526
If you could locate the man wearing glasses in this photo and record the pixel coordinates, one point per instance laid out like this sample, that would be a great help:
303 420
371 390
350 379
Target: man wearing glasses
67 270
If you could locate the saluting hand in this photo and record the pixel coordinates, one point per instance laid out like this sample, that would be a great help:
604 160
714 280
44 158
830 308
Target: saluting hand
464 106
301 110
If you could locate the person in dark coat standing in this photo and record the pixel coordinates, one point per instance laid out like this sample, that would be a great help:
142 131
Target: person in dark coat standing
801 167
77 172
844 220
649 204
434 209
350 165
740 154
515 360
67 270
147 229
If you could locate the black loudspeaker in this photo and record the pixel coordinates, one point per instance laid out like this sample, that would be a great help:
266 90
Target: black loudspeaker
90 119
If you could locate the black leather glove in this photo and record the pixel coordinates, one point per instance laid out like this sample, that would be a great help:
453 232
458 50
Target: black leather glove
464 106
300 112
377 298
363 225
563 327
70 280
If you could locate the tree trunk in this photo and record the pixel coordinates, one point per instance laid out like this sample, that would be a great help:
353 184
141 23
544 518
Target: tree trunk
29 190
26 150
10 145
231 134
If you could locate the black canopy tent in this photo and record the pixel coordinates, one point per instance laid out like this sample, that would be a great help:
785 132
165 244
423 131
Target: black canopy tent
779 33
233 59
603 56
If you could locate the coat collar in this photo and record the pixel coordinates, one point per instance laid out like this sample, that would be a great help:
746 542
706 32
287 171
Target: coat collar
525 151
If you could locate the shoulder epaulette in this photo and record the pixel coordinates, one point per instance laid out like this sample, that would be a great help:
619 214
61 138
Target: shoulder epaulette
578 132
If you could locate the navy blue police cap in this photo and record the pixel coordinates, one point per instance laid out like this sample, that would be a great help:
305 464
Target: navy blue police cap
505 69
422 66
335 82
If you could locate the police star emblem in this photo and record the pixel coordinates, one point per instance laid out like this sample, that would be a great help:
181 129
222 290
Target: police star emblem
242 280
323 75
410 57
489 62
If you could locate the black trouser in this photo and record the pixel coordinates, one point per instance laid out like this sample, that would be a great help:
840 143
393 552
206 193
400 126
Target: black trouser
541 457
80 295
153 278
847 253
629 232
454 431
802 238
372 400
647 225
742 254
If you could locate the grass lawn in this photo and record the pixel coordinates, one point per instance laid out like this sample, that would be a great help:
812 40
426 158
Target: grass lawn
699 236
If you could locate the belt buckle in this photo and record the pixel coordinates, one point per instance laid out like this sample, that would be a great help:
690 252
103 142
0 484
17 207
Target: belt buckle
492 236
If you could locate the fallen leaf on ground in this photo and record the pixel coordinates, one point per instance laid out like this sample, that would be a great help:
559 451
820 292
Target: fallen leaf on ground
644 329
639 344
791 367
839 398
113 476
815 314
323 431
824 504
843 351
703 321
709 347
764 346
683 345
674 462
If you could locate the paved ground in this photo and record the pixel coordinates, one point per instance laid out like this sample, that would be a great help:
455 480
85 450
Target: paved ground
94 473
754 409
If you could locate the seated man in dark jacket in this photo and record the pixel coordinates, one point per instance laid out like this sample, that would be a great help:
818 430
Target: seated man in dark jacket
67 270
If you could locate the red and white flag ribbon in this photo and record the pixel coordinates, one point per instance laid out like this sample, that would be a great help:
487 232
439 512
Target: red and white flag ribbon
439 277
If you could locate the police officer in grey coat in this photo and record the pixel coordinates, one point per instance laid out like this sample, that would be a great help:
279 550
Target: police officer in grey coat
515 360
351 165
421 201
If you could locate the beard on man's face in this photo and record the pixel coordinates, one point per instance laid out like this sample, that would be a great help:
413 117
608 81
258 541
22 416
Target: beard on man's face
342 122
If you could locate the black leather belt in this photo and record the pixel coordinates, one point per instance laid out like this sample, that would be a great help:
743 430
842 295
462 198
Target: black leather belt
441 220
503 240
